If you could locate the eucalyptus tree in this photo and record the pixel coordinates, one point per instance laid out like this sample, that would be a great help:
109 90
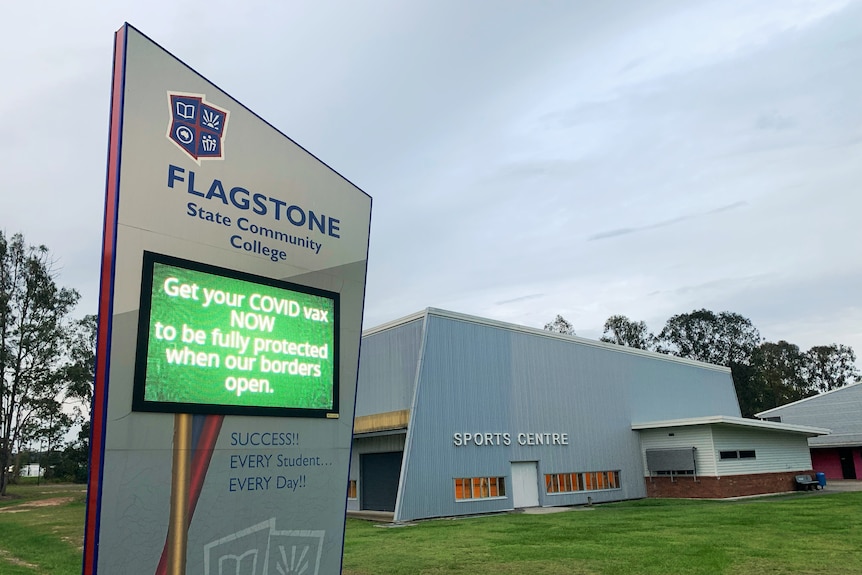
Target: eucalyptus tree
34 314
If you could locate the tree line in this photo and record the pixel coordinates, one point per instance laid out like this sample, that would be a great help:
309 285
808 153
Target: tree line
765 374
47 362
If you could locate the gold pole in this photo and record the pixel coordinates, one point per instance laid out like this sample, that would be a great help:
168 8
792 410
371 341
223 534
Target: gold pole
178 528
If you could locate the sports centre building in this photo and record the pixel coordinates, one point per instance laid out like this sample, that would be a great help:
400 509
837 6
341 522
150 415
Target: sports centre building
459 415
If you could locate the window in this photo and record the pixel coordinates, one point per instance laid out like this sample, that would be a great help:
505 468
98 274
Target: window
351 489
740 454
588 481
479 487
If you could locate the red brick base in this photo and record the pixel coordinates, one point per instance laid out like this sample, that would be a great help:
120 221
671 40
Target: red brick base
722 487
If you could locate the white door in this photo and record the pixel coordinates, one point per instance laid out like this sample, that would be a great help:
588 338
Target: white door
525 484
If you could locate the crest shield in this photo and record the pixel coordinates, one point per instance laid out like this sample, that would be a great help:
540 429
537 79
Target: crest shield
196 126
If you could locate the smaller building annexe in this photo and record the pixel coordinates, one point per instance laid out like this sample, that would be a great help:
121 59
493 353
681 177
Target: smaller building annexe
729 456
839 454
459 415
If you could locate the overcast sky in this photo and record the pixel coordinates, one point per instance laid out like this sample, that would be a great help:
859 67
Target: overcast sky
525 158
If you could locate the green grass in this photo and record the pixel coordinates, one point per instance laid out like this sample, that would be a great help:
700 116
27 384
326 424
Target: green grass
804 534
37 536
793 535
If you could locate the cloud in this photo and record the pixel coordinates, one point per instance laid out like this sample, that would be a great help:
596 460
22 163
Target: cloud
519 299
495 137
774 121
632 230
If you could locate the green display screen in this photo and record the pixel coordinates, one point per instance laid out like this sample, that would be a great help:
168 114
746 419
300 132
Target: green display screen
212 340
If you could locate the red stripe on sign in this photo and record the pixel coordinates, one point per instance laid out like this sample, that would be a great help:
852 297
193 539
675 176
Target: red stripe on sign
106 288
200 464
202 458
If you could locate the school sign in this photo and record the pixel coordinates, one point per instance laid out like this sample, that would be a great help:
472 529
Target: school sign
230 312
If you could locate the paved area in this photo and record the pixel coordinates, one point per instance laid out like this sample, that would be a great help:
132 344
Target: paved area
379 516
840 485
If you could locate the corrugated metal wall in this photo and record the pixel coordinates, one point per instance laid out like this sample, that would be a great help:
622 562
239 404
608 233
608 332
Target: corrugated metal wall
480 378
840 411
387 369
660 388
775 452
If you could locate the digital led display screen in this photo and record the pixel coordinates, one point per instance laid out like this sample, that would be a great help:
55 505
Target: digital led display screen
212 340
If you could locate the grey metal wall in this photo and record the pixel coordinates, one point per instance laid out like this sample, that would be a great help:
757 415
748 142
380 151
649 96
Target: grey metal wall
661 388
481 378
839 411
387 369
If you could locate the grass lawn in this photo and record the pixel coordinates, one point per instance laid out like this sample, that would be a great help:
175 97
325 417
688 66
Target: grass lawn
810 533
792 535
42 529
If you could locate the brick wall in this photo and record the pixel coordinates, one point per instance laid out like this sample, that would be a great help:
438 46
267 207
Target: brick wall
722 487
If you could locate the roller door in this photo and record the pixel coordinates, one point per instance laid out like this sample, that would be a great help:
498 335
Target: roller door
379 473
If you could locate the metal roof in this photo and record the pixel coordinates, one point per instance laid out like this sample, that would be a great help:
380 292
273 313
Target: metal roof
541 332
825 396
733 421
837 440
839 409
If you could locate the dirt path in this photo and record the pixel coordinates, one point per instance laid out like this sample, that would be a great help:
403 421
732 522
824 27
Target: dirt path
6 557
35 504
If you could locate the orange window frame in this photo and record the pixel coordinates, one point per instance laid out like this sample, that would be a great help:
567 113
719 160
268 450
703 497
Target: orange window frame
463 489
601 479
585 481
468 488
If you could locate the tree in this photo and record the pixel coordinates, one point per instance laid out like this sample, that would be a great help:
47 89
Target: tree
80 371
777 376
71 463
829 367
748 393
723 339
727 339
622 331
33 317
765 374
560 325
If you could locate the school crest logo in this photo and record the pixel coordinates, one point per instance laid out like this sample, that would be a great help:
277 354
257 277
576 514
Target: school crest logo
196 126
